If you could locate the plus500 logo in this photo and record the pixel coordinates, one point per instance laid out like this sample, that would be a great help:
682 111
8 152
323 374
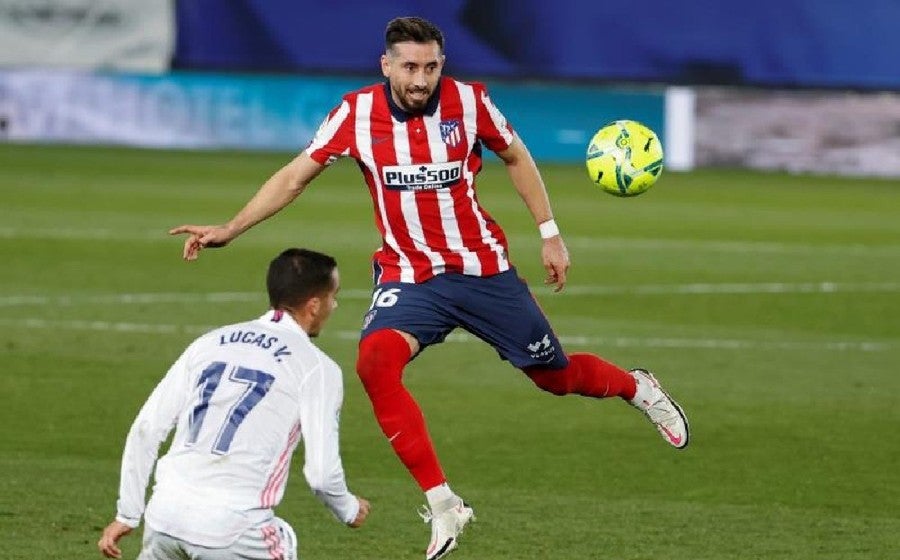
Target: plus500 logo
422 177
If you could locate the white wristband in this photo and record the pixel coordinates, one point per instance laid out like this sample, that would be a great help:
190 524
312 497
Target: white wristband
548 229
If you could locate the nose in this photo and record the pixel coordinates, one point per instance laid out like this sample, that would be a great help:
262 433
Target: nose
419 78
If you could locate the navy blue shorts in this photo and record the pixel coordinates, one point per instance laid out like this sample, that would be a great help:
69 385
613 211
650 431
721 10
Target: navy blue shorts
499 310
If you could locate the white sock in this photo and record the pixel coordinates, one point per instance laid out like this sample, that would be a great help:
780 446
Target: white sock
640 391
438 494
643 394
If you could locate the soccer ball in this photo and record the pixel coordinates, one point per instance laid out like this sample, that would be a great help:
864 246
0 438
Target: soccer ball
624 158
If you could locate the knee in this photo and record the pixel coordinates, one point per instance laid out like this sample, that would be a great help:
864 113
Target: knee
367 362
381 358
554 381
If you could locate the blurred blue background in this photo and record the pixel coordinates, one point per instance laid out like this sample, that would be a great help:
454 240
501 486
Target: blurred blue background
811 43
798 85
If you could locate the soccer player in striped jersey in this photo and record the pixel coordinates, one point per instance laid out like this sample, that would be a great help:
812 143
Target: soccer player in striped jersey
418 138
241 398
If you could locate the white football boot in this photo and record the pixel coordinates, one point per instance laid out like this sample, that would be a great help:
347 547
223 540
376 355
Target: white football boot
659 407
447 523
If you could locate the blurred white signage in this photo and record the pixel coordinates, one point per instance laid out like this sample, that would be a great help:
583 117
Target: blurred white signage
133 35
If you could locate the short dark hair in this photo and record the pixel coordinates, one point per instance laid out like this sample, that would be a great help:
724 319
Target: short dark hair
415 29
296 275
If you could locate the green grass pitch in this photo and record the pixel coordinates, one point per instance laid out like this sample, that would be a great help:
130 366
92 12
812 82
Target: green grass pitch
768 305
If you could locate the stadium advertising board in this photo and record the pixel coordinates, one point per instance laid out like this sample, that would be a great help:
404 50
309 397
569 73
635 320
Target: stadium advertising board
188 110
133 36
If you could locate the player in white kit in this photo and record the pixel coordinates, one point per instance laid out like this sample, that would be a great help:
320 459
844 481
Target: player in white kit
240 398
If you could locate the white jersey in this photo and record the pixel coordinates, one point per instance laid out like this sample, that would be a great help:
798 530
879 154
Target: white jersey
241 398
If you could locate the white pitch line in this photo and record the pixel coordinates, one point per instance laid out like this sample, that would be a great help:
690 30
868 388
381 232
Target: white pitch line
723 344
81 233
463 337
760 247
363 294
103 326
131 299
737 288
575 242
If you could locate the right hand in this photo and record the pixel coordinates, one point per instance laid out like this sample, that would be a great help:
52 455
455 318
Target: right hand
364 507
200 237
109 541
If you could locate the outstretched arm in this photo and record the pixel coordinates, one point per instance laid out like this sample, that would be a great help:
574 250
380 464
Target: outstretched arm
527 180
276 193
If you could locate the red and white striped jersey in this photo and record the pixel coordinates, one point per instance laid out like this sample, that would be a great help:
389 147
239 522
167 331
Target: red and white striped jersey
420 169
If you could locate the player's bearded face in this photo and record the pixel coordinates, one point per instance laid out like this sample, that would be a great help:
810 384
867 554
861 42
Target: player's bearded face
413 70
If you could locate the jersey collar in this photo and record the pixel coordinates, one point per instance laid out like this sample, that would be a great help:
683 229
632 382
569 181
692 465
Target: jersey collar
283 320
401 115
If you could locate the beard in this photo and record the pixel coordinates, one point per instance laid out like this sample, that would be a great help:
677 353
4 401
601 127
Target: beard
412 100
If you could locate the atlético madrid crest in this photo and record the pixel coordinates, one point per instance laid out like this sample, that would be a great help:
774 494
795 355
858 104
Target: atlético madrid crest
451 132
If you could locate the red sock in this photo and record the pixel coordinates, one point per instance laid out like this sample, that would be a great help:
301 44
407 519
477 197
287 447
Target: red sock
382 357
586 375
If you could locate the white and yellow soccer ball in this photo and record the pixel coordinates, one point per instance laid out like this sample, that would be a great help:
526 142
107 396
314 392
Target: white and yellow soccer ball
624 158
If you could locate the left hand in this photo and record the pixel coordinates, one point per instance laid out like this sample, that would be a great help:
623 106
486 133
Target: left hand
108 543
555 257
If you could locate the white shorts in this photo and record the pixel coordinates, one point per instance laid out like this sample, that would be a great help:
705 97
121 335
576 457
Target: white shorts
273 540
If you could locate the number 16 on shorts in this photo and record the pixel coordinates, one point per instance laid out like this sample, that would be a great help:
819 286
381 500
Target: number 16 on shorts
384 297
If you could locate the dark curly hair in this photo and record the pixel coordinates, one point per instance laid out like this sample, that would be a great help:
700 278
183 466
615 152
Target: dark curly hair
415 29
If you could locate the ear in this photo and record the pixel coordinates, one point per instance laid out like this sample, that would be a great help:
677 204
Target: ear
313 306
386 66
